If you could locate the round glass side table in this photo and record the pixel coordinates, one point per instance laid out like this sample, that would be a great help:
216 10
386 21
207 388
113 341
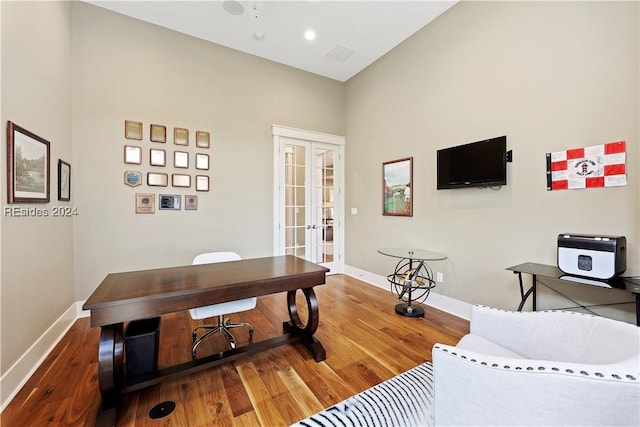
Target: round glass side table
412 278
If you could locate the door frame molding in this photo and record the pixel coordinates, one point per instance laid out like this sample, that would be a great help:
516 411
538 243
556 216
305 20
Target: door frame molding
311 136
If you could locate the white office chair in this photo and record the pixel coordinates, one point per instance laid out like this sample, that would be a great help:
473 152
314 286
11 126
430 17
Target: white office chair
219 309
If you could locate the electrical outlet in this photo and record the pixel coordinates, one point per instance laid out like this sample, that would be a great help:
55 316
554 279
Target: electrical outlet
439 277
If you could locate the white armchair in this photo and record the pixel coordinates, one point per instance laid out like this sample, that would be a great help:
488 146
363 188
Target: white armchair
539 368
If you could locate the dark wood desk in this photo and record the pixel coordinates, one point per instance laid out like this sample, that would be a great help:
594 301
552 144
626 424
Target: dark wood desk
123 297
629 284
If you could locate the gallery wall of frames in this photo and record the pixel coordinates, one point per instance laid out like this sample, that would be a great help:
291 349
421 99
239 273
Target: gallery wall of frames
178 160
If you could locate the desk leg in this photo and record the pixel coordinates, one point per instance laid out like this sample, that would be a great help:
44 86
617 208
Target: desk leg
110 371
296 327
532 290
637 308
534 282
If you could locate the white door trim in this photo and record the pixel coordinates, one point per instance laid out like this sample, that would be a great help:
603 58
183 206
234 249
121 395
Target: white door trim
307 135
278 177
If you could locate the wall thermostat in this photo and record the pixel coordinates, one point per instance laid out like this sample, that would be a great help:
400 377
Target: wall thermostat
170 202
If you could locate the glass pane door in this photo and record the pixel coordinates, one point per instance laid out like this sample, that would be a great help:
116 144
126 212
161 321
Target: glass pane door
295 203
324 187
309 200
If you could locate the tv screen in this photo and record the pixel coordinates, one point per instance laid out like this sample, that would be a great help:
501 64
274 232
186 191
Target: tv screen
478 164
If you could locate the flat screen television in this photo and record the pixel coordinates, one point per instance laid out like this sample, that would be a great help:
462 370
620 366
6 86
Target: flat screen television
478 164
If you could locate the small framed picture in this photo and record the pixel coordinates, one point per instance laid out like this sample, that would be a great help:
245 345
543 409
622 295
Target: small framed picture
202 183
157 179
191 203
132 155
180 159
132 129
202 161
28 166
202 139
181 136
132 178
158 133
145 203
64 181
170 202
157 157
181 180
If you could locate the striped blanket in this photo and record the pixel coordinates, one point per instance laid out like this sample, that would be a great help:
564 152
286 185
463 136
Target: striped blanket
404 400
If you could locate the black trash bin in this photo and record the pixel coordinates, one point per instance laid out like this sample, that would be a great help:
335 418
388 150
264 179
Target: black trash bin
141 340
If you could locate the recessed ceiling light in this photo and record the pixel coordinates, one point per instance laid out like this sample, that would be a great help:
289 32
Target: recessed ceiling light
233 7
309 34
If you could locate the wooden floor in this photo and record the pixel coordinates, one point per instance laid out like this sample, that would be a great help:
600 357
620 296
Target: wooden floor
366 343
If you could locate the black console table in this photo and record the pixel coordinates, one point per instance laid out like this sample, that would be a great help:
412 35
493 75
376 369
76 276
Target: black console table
629 284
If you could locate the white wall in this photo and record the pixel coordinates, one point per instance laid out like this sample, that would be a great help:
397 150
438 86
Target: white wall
549 75
37 252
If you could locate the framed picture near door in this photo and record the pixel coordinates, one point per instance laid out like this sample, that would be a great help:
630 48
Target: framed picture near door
397 187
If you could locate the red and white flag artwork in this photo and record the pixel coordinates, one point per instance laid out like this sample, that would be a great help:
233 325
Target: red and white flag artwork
596 166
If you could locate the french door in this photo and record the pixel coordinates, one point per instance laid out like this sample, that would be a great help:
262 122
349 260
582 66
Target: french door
309 199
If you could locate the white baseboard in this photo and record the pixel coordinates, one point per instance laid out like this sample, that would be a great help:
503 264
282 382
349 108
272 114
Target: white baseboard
17 375
441 302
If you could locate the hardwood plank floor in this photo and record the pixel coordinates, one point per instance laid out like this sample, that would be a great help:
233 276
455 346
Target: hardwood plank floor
365 340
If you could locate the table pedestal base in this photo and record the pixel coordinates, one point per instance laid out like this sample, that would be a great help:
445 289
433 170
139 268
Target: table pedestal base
407 310
111 368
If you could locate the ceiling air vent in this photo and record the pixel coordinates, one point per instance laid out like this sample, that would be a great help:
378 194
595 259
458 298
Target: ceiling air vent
340 53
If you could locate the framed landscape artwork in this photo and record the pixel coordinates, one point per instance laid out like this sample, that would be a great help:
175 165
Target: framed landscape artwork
397 187
28 166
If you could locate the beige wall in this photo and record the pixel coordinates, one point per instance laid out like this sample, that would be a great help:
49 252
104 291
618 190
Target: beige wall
37 252
126 69
72 72
550 76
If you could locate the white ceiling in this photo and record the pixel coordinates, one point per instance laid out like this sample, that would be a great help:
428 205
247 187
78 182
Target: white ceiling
369 28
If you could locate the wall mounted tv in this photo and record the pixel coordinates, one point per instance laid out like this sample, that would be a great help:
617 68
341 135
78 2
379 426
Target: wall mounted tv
478 164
